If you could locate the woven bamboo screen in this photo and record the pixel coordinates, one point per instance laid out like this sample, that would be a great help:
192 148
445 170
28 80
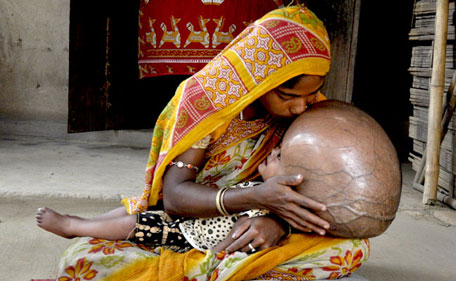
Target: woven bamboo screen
421 36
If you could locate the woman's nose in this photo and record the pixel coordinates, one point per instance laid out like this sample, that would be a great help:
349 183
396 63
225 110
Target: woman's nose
298 107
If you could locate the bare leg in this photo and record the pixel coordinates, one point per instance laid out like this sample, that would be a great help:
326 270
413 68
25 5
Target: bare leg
118 212
111 228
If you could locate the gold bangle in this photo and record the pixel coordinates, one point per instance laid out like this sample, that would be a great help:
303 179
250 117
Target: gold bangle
218 200
222 202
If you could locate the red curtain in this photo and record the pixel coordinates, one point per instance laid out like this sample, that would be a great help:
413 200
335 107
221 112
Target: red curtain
180 37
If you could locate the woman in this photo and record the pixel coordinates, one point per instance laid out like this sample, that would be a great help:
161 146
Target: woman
219 126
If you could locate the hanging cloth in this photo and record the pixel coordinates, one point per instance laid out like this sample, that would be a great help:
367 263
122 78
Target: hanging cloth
179 37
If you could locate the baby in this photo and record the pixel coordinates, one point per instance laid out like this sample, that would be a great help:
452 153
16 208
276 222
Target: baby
347 162
156 228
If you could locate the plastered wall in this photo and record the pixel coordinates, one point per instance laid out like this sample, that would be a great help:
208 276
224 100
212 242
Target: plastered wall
34 37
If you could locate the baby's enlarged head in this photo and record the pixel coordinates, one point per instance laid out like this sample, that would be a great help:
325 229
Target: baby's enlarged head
349 164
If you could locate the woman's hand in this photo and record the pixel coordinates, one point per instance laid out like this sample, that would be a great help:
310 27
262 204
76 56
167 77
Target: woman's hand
260 232
276 195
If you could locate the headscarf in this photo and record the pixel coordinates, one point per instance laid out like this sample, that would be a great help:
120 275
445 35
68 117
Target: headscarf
282 44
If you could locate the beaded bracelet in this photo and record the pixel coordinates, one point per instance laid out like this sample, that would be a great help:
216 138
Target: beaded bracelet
180 164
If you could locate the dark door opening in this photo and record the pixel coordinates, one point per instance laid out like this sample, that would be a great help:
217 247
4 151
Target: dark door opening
104 89
382 81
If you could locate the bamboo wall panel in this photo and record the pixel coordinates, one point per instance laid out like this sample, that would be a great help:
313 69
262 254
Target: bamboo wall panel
421 35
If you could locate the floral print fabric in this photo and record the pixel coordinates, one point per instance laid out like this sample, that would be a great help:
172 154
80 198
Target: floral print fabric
96 259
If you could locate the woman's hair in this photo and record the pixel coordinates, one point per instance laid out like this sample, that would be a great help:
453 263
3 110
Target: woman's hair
292 82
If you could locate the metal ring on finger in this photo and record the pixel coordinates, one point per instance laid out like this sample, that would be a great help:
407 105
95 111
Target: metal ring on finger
252 249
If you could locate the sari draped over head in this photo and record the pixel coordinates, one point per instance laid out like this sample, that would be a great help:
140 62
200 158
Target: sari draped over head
283 44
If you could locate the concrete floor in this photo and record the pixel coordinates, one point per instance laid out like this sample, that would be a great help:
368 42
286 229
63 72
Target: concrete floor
89 179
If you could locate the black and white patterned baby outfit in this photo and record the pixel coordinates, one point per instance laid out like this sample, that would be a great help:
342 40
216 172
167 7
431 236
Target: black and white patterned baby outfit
158 229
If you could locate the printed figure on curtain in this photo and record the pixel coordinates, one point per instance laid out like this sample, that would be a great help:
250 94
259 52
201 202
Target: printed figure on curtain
179 37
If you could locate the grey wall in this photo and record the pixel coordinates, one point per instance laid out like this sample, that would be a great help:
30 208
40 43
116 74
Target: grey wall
34 38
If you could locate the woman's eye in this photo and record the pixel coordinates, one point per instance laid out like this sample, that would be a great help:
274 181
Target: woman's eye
285 96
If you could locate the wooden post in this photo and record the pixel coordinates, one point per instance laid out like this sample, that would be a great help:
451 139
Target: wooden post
435 103
449 106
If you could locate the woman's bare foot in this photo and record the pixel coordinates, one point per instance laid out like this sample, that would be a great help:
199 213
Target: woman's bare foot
56 223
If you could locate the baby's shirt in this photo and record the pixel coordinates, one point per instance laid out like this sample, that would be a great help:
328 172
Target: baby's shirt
206 233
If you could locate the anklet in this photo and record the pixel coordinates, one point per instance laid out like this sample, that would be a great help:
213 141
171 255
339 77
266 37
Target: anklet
131 232
180 164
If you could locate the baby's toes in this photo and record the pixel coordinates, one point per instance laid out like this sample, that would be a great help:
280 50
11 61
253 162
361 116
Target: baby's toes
40 213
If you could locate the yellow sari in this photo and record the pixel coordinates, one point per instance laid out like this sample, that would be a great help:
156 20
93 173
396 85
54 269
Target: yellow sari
281 45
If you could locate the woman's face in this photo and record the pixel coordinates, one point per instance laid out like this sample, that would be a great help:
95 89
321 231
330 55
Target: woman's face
290 102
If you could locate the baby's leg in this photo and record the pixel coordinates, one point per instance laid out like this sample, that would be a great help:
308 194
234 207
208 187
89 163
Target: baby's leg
118 212
111 228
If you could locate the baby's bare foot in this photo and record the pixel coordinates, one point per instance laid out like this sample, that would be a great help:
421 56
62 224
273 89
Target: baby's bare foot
54 222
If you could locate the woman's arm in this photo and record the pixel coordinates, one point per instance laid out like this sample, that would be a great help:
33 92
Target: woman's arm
183 197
